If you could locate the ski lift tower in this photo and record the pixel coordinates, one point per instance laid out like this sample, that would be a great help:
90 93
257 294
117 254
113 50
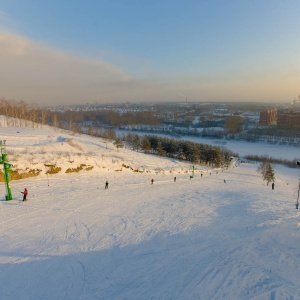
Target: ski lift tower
193 170
6 168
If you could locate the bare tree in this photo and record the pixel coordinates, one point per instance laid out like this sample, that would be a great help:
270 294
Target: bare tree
55 120
44 115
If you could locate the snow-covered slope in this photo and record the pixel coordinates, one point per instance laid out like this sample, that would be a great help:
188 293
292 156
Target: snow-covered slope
190 239
33 148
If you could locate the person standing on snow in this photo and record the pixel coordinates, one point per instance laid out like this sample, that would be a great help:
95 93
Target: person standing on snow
273 185
106 185
152 180
174 179
25 193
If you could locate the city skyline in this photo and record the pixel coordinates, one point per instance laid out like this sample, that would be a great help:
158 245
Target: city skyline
73 52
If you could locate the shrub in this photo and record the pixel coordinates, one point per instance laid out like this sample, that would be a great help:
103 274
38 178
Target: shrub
18 174
52 169
76 170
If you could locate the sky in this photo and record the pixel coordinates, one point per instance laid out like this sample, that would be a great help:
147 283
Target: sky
105 51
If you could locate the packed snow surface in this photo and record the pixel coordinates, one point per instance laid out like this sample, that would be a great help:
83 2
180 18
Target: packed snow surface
223 235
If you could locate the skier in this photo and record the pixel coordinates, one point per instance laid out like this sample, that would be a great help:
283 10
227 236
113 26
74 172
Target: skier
174 179
201 174
224 181
106 185
273 185
191 177
25 193
152 180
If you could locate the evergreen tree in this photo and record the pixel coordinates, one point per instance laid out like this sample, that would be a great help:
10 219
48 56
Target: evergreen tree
146 145
136 142
266 171
269 174
180 154
160 150
262 168
118 143
194 154
129 138
227 158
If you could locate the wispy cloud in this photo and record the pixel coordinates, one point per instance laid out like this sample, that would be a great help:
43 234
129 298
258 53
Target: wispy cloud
36 72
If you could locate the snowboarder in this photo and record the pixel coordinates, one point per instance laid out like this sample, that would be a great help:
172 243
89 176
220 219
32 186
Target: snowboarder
106 185
273 185
25 193
174 179
152 180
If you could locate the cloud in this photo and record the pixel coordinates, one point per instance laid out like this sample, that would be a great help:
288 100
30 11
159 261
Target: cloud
38 73
11 46
35 72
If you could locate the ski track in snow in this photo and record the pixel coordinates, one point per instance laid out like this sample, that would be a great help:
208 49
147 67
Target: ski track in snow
189 239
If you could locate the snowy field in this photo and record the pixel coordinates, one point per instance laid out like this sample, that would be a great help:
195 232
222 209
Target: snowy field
190 239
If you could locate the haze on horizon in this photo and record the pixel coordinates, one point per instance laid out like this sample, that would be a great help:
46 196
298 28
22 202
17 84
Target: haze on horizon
73 52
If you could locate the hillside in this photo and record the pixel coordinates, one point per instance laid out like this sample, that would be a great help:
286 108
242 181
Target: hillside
190 239
37 148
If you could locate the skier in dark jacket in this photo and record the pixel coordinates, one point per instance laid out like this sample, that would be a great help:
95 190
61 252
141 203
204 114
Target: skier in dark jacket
273 185
106 185
25 193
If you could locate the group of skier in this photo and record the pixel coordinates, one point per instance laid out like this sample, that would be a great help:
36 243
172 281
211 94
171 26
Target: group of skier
25 193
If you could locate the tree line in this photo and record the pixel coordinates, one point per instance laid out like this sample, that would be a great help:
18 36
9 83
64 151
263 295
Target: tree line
180 149
262 158
68 119
31 116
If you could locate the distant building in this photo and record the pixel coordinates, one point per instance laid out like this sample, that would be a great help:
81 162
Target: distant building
290 120
268 117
